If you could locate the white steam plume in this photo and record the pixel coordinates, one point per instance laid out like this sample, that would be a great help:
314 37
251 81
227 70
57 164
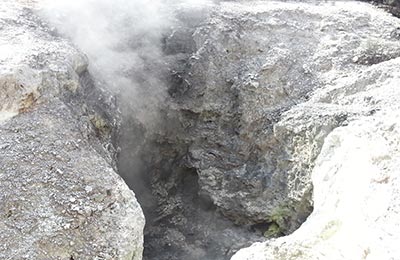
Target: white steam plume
121 39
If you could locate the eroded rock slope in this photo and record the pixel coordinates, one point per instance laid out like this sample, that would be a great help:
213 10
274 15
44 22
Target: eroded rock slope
356 196
356 200
60 197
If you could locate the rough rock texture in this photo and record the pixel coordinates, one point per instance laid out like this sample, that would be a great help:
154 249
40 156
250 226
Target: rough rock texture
257 88
60 197
241 136
253 62
182 224
392 6
356 196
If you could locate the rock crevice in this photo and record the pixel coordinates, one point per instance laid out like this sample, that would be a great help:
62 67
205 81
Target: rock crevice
237 123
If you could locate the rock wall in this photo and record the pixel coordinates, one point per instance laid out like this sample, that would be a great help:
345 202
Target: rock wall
355 180
60 197
242 99
354 175
244 119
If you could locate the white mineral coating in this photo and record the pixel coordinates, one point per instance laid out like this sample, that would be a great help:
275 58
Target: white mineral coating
355 175
356 197
59 195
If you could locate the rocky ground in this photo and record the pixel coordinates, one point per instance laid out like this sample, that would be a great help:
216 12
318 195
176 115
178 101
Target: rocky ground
268 119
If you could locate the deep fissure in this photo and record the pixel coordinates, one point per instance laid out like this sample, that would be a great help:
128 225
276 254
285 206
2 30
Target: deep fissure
181 222
182 219
223 120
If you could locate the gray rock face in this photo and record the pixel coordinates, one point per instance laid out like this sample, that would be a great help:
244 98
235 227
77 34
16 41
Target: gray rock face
60 197
252 144
355 178
241 134
354 175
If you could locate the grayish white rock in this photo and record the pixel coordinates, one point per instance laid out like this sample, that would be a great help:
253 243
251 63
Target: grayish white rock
355 175
60 197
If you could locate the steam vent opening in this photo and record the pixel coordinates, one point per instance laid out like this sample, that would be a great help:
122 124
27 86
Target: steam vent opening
210 179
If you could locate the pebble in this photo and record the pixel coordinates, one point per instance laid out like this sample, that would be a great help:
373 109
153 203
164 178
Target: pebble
88 189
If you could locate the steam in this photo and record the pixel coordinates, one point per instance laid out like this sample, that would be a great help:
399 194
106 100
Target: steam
122 39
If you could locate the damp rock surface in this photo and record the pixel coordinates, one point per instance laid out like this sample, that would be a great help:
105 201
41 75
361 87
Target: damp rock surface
60 197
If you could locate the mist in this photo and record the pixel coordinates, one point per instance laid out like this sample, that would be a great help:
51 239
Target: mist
122 39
